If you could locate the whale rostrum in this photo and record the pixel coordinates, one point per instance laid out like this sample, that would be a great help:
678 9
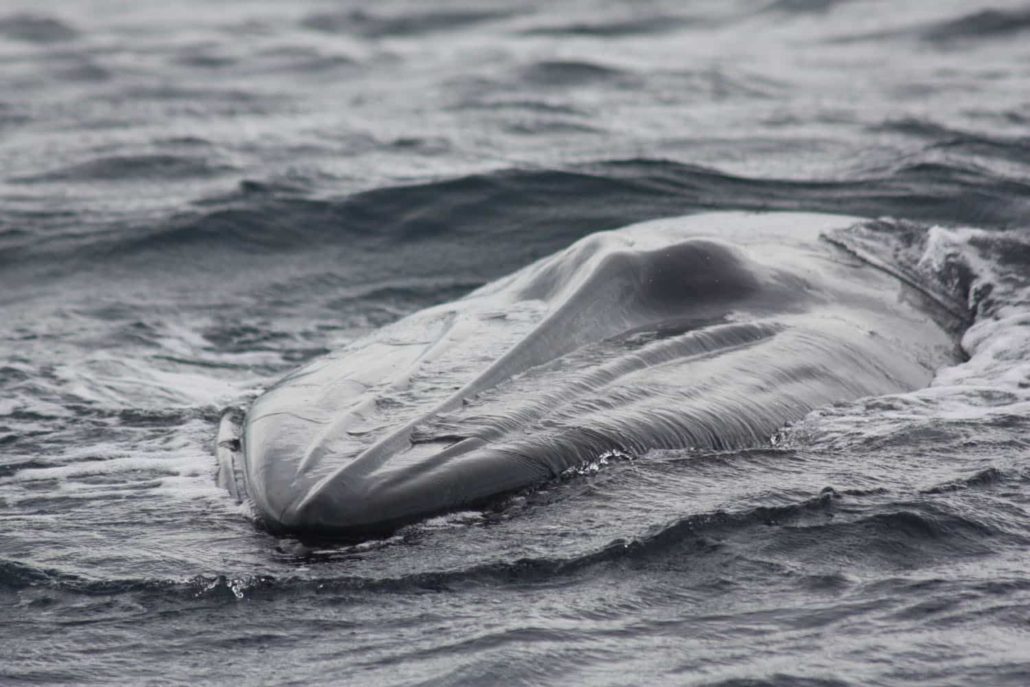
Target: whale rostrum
708 331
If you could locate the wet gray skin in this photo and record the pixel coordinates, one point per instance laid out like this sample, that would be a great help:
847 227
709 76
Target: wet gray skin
708 331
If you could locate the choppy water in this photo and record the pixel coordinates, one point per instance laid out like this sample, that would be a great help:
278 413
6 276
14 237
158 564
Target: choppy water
196 197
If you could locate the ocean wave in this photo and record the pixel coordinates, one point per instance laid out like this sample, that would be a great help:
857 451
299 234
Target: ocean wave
380 25
36 28
611 28
984 24
567 73
988 477
540 209
960 142
981 26
301 59
828 527
803 6
122 168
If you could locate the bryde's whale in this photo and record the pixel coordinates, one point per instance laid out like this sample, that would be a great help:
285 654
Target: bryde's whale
708 331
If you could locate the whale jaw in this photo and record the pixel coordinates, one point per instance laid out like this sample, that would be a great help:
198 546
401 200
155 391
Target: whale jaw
709 331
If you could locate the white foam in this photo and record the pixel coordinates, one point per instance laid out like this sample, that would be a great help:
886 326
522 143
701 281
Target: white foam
998 342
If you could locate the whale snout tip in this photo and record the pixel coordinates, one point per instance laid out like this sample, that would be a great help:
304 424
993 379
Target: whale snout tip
336 509
229 453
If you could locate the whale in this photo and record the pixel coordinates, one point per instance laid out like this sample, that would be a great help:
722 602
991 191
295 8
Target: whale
709 331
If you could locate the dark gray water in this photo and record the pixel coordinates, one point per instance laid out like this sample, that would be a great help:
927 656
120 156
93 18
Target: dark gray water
197 197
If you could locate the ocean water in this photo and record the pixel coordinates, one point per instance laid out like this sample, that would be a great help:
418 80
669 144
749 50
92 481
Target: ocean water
196 198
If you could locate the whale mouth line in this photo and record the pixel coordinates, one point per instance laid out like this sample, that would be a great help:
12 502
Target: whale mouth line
853 245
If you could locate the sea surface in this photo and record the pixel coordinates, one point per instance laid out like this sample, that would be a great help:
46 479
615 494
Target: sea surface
197 197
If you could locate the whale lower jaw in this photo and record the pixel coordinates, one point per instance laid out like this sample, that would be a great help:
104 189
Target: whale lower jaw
698 390
531 438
